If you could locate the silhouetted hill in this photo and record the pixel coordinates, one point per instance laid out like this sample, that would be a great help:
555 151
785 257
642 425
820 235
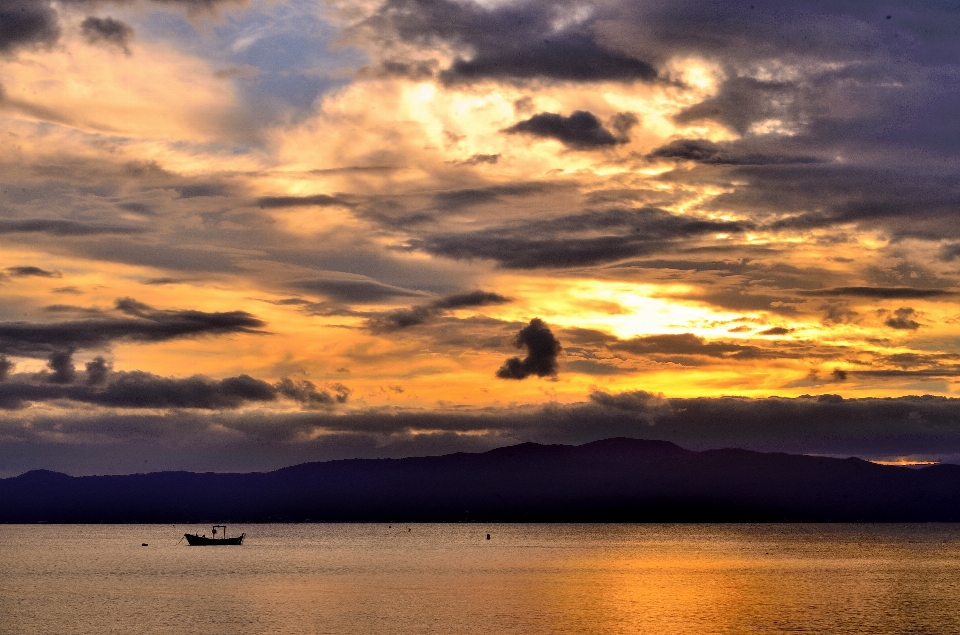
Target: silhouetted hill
613 480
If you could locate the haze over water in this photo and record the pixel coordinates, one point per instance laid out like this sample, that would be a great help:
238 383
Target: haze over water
449 579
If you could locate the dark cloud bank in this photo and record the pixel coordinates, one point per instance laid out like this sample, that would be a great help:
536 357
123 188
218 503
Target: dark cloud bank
513 42
138 389
927 427
131 321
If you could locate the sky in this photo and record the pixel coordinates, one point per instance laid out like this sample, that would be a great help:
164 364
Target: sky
236 236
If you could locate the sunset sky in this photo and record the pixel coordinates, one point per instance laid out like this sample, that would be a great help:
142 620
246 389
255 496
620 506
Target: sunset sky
242 235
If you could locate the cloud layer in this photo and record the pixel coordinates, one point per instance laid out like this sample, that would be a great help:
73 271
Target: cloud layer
341 228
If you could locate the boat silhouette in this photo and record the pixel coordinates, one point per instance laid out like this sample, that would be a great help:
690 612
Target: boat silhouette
195 540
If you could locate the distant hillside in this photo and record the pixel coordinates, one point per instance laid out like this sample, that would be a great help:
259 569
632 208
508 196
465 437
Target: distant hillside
621 480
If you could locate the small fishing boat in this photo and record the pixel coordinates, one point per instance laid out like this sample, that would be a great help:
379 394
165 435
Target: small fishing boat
195 540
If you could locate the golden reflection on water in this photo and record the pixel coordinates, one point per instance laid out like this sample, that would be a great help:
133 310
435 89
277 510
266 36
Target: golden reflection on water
530 579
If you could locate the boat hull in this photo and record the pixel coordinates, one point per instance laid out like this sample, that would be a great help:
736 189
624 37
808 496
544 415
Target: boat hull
197 541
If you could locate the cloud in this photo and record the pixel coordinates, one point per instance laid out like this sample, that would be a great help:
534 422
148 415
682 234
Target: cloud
740 102
143 390
145 324
415 316
355 290
33 271
108 31
27 22
902 319
61 363
97 371
581 130
776 330
513 42
575 240
479 159
542 351
306 393
235 441
59 227
457 199
202 190
679 344
710 153
881 293
322 200
5 367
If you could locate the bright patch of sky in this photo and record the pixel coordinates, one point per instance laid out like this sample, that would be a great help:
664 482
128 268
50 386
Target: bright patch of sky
282 56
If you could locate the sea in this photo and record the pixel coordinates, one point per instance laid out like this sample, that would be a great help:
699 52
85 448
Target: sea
450 579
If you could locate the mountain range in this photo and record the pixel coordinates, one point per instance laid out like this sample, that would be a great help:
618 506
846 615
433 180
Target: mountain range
614 480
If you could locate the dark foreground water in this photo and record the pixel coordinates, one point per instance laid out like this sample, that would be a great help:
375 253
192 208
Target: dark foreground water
529 579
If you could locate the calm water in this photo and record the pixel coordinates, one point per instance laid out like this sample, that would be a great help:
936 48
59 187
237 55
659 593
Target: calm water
529 579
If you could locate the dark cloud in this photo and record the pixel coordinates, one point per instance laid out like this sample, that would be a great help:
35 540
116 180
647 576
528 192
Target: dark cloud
138 389
776 330
479 159
415 316
582 239
740 102
517 41
201 190
455 199
27 22
5 367
819 424
144 324
902 318
322 200
59 227
70 308
97 370
144 390
354 290
472 299
33 271
61 363
671 344
949 252
107 31
542 351
902 198
708 152
416 71
597 369
306 393
881 293
581 130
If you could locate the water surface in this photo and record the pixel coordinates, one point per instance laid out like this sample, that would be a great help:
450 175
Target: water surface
529 579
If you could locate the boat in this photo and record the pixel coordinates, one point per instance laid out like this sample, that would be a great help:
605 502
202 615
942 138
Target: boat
195 540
